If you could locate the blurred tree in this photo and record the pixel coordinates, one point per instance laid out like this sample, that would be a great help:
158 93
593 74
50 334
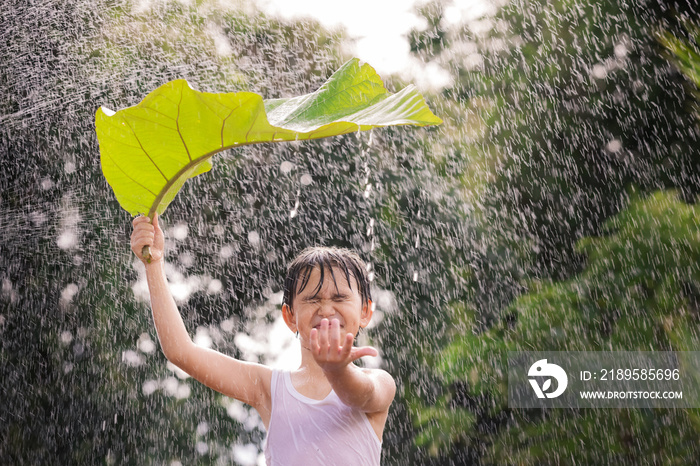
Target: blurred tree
586 120
579 101
638 291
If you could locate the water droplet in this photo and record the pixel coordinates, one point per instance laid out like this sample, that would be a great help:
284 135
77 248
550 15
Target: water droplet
202 428
226 252
215 286
614 146
46 184
286 167
202 337
67 240
66 337
132 358
599 71
179 231
254 238
149 386
145 344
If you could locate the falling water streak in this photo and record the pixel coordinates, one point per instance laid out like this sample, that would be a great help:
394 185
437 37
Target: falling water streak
365 155
293 213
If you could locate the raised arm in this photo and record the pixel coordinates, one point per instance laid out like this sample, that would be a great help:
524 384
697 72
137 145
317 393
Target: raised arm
247 382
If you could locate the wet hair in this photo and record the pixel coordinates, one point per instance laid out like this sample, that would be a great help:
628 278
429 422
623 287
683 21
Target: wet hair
326 259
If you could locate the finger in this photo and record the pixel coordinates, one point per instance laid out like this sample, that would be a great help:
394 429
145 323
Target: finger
155 220
334 336
363 351
143 226
140 219
313 341
139 243
143 236
347 345
323 336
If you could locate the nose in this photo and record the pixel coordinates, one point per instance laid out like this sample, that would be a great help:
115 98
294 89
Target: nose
326 310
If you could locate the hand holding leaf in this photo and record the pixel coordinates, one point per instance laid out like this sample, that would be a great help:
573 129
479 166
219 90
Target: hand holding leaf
147 234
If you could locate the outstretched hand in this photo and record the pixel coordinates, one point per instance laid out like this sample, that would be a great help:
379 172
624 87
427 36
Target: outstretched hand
333 353
147 234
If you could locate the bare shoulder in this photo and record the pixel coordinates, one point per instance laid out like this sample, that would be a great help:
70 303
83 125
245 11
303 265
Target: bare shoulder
384 386
380 375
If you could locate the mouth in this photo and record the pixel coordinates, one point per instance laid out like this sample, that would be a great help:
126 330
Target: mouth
318 326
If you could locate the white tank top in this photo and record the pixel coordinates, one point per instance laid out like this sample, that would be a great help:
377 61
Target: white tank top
307 432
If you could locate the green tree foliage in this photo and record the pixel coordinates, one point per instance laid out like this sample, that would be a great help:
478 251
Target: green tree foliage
581 103
684 51
594 135
638 291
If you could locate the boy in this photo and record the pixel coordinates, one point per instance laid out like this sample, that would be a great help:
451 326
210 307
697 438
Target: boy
328 411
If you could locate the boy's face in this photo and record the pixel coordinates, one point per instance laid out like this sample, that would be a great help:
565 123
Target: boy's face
336 300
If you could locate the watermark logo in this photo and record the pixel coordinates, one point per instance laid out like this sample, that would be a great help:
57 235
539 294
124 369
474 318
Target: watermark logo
543 369
603 379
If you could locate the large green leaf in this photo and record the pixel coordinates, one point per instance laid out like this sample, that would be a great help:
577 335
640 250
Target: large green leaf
149 150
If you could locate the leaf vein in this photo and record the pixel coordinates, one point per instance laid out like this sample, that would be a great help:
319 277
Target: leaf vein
144 150
204 102
129 176
159 112
177 123
344 90
255 120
